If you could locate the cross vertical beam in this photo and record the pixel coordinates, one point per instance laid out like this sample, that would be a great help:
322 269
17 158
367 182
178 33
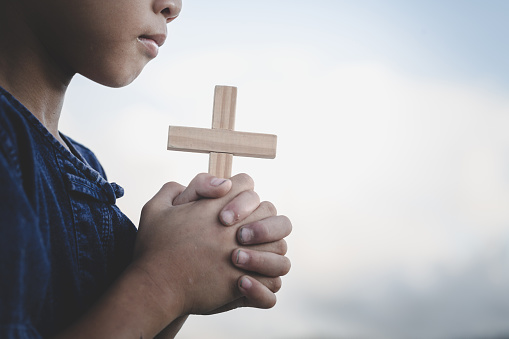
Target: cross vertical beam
223 117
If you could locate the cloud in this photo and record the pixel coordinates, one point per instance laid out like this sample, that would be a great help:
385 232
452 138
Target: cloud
397 187
470 302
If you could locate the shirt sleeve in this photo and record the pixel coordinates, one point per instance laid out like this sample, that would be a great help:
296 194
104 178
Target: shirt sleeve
24 265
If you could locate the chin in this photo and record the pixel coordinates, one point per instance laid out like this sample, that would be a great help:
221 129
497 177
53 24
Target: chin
115 82
116 76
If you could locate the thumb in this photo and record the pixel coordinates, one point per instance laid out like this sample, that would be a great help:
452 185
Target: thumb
203 186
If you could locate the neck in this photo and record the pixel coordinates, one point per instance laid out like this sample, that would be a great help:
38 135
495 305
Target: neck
28 71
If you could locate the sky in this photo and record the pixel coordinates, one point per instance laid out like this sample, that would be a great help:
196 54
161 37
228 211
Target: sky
392 164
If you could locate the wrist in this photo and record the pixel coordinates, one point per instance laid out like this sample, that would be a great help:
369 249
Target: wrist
161 297
134 306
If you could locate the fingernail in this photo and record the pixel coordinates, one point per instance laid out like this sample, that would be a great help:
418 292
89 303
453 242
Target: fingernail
242 257
245 283
228 217
245 235
217 181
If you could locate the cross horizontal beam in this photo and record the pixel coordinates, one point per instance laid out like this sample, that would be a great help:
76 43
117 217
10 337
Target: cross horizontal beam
202 140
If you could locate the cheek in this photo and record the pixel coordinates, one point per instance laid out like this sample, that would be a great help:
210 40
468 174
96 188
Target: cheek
98 44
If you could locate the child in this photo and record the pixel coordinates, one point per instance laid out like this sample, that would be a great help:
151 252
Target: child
71 264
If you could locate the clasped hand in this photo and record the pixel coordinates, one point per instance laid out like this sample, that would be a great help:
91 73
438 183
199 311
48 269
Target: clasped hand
213 246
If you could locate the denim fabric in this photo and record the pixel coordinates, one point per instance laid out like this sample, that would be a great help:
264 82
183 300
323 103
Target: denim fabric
62 238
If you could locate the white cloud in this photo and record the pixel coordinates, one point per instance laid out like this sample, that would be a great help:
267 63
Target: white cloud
397 187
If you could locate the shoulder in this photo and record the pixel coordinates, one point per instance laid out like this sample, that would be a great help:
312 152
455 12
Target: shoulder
15 159
11 111
14 130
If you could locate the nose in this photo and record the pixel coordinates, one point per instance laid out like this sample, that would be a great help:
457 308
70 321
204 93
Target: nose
170 9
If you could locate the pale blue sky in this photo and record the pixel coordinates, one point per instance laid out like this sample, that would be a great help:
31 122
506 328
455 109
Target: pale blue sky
456 38
393 155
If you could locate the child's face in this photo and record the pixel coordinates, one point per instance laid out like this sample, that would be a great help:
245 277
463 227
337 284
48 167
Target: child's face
108 41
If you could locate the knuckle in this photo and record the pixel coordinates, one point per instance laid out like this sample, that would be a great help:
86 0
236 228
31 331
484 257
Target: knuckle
261 231
282 247
147 208
270 303
201 177
277 283
172 185
244 180
252 196
269 207
287 222
287 265
259 261
150 211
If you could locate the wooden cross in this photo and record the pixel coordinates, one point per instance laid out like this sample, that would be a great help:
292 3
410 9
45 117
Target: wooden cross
222 141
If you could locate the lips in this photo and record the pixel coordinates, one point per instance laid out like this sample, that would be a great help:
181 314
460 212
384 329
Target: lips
152 43
159 39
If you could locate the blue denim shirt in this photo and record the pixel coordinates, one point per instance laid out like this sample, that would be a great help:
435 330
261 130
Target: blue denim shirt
62 238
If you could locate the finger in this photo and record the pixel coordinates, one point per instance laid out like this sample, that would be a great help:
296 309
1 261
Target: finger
272 283
265 210
256 294
241 182
265 231
278 247
264 298
239 208
240 302
203 185
264 263
236 210
167 194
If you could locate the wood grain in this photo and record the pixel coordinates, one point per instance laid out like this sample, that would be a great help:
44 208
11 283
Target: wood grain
222 141
203 140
